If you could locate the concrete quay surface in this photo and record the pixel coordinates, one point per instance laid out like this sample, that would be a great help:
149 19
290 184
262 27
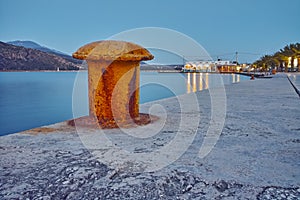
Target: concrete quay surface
255 155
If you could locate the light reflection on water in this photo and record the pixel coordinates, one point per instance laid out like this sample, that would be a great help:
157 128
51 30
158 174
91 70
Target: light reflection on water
196 81
33 99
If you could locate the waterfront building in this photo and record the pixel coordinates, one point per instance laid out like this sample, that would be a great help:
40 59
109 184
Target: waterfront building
211 66
199 66
225 66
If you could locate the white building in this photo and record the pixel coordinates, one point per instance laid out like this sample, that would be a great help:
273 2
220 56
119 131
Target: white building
199 66
209 66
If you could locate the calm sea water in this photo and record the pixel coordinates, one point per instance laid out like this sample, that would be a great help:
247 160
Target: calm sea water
33 99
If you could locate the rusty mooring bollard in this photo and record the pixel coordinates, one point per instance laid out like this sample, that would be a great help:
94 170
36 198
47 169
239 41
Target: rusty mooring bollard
113 78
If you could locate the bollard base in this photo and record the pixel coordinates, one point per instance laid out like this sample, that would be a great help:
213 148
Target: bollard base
93 122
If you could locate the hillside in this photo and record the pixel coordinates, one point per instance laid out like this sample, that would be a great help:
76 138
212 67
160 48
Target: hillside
28 55
34 45
20 58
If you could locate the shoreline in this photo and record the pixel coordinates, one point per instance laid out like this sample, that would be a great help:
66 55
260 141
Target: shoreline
52 161
159 71
43 71
20 130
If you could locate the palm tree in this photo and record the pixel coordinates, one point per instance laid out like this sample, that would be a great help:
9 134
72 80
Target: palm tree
296 54
287 52
281 58
291 51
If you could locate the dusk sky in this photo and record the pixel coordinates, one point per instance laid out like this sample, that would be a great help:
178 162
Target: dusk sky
250 27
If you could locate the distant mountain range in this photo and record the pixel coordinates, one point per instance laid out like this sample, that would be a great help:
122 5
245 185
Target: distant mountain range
33 45
28 55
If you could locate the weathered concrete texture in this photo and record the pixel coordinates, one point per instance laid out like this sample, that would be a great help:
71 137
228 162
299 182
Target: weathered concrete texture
256 156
